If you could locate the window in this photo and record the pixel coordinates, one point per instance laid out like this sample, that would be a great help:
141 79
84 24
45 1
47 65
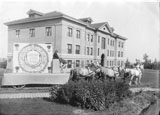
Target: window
108 41
118 53
32 32
17 33
110 53
87 50
91 38
113 53
110 63
69 48
121 54
98 39
118 63
119 44
88 36
107 52
91 51
77 49
49 31
103 43
69 32
111 43
121 63
122 45
69 63
98 51
78 34
107 63
87 62
77 63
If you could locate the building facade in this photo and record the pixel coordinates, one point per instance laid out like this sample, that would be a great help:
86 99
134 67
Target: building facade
77 40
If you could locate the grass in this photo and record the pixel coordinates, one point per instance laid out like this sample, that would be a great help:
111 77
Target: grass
36 106
151 78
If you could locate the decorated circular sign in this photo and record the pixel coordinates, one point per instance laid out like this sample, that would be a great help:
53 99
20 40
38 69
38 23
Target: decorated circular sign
33 58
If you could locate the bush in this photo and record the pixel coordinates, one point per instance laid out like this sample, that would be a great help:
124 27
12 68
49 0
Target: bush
3 64
95 95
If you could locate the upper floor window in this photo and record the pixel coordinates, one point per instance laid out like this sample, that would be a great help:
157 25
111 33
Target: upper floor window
91 51
49 31
110 53
122 44
69 48
70 32
103 43
107 52
87 50
88 36
119 54
77 49
17 33
32 32
111 43
78 34
108 41
91 38
119 44
98 39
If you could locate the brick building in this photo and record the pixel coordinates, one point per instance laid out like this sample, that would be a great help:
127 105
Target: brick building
77 40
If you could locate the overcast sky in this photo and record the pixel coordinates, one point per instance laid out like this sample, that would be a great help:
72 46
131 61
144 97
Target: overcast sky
138 21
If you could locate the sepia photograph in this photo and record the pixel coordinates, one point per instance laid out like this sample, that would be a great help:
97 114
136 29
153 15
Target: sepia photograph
79 57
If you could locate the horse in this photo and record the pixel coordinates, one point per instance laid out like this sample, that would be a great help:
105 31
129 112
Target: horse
78 73
105 73
135 72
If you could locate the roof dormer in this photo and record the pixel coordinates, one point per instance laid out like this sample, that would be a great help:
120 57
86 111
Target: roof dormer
33 13
87 20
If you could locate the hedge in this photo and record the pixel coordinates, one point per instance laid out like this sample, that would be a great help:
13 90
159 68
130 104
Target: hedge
94 95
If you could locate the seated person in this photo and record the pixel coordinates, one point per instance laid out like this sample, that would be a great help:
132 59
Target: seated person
55 55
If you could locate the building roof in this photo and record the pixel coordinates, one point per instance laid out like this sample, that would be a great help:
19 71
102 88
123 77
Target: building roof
56 15
97 25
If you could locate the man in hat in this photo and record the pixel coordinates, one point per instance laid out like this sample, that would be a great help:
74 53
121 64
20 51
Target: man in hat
55 55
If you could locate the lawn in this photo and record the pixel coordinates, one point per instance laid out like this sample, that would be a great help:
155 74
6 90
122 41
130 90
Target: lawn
35 106
151 78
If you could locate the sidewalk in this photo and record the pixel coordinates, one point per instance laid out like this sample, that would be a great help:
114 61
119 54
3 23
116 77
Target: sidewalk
24 95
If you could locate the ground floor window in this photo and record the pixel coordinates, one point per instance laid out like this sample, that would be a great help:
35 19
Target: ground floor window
121 63
69 63
118 63
77 63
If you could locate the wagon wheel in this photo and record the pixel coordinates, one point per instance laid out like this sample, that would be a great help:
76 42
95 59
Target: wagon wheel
19 86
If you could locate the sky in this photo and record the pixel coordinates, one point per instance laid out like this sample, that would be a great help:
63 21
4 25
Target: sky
137 21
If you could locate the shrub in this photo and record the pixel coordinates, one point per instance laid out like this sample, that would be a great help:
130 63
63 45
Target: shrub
3 64
95 95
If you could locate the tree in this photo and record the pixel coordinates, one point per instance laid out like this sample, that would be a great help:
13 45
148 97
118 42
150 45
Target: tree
127 64
145 58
